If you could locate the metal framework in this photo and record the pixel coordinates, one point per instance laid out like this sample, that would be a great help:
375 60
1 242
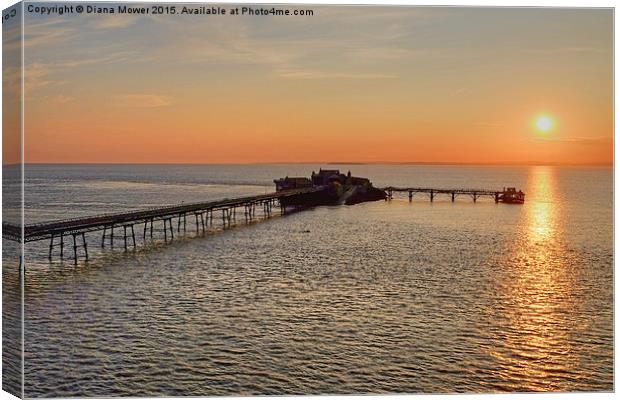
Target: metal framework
475 194
203 213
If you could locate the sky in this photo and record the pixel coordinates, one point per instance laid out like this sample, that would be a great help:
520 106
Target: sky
348 84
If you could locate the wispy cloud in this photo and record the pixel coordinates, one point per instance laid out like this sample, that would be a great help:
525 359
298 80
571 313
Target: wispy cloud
61 99
142 100
569 49
107 58
310 74
458 91
579 140
116 21
36 76
49 32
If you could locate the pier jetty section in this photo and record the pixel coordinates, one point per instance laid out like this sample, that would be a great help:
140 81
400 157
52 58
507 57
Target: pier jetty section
123 226
507 195
326 187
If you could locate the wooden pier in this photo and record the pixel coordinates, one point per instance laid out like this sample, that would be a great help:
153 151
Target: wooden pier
122 225
474 194
72 232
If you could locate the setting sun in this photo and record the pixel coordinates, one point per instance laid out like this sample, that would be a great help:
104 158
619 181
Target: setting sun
544 123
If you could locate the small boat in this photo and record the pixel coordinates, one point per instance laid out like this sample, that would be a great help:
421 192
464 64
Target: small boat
512 196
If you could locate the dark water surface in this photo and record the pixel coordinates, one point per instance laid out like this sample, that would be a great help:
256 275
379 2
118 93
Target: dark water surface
379 297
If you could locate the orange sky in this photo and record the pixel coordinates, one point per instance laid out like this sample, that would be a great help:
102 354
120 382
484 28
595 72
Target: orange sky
356 84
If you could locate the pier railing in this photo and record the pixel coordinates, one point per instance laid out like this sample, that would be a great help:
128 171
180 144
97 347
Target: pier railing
475 194
203 213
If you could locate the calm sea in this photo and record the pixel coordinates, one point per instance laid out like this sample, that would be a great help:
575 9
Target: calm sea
384 297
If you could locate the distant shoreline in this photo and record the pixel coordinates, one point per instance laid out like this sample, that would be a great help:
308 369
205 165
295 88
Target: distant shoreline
439 163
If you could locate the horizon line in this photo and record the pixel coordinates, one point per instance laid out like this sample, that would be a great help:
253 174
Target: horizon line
497 163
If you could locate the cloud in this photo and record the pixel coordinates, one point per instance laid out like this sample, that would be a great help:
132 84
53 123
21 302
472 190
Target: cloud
580 140
11 38
108 58
51 32
116 21
310 74
568 50
458 91
142 100
62 99
36 76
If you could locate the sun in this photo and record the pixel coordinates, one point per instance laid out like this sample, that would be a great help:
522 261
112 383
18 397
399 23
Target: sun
544 123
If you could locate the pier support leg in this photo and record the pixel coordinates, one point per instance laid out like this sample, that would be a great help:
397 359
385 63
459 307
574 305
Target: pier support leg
496 198
453 197
410 197
152 228
85 245
62 245
49 256
171 230
112 236
165 231
432 196
75 254
133 237
475 197
125 236
103 237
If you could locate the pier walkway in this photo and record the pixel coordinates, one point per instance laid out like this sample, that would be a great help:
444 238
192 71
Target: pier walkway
122 225
475 194
202 213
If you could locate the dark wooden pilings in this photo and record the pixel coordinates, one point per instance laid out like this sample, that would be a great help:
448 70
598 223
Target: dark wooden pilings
203 219
475 194
249 211
61 244
168 225
85 245
125 236
76 246
182 218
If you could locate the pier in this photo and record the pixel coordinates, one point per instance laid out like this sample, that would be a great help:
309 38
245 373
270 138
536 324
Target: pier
475 194
327 187
122 226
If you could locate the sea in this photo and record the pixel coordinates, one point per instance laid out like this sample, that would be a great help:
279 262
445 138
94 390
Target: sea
382 297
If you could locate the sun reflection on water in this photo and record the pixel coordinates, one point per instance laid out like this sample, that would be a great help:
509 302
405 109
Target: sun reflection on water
535 302
542 205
